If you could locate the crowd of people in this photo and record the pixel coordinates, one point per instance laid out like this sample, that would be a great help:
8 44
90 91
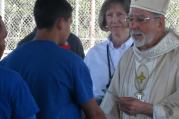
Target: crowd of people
132 74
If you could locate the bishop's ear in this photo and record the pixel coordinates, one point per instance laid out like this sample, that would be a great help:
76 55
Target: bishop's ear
162 21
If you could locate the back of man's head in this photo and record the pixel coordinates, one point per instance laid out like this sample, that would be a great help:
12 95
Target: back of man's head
46 12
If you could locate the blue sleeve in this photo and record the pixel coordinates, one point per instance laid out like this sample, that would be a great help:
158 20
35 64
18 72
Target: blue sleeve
82 83
31 117
23 103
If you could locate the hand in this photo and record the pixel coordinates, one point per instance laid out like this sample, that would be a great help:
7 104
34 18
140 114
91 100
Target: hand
133 106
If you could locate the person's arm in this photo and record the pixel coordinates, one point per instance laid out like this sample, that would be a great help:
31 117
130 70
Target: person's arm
92 110
83 91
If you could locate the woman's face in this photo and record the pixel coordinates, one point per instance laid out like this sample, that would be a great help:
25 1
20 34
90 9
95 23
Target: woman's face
115 18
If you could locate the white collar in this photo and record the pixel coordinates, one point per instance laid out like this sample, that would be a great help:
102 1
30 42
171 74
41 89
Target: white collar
168 43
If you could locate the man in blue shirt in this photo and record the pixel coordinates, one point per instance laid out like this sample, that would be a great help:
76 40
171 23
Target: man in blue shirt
58 79
16 101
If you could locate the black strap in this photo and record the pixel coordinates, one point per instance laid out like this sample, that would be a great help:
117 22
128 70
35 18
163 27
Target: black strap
109 66
109 63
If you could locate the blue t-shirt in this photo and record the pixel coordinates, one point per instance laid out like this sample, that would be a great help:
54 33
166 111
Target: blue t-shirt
58 79
16 101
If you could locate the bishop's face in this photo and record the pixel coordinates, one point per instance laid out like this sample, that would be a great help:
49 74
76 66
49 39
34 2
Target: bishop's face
144 28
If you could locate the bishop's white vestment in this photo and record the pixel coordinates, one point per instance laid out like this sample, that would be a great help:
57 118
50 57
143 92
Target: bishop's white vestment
161 87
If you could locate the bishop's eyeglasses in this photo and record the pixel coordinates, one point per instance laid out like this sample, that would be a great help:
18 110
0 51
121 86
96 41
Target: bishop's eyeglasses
140 19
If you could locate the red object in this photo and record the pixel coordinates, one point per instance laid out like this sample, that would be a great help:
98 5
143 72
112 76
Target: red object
65 46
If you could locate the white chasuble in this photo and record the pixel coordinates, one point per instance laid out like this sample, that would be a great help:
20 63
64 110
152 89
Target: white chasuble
151 76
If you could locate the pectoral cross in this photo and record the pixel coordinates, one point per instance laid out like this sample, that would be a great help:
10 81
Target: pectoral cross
141 77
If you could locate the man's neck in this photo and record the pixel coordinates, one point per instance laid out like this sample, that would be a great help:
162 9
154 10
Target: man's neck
46 35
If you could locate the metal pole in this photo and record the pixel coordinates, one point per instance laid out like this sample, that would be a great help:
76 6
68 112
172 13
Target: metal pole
77 17
92 22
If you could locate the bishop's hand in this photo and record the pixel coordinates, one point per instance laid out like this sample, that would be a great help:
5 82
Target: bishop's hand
133 106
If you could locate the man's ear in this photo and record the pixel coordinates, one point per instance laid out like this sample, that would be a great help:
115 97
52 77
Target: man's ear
162 22
60 23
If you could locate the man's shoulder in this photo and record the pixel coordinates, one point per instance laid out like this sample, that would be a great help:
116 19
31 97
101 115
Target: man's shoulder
68 55
7 72
128 53
126 57
9 78
73 37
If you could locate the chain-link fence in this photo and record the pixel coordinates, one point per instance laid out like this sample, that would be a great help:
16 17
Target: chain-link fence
173 15
18 17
